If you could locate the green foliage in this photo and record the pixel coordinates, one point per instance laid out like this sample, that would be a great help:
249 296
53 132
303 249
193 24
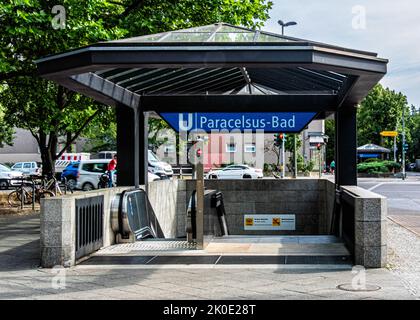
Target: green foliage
26 34
101 133
414 147
6 131
330 146
378 167
155 127
382 110
289 143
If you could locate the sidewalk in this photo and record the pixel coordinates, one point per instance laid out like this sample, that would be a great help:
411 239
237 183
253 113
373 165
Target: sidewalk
21 279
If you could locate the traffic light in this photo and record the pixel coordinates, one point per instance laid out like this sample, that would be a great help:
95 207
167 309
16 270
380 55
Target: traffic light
279 139
405 146
199 153
318 146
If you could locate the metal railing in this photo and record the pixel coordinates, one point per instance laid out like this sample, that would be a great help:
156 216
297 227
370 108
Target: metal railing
89 225
182 170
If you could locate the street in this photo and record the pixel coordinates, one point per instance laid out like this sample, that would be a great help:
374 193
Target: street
403 199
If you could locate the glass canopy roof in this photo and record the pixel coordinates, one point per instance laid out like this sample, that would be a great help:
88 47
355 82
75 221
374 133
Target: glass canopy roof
219 32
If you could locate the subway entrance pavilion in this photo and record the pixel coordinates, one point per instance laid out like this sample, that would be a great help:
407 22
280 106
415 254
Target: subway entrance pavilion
222 68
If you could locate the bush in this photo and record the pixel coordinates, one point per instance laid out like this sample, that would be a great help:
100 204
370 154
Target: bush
378 167
371 160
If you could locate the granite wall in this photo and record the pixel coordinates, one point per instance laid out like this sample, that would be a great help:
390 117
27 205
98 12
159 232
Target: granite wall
304 198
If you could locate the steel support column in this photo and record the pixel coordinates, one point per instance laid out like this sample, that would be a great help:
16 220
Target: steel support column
346 146
143 145
125 144
132 146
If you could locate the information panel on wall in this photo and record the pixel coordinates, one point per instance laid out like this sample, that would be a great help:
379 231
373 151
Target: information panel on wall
269 222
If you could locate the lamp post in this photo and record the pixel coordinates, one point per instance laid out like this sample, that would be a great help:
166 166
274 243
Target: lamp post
285 24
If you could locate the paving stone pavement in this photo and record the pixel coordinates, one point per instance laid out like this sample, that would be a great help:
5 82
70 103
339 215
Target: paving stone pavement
20 278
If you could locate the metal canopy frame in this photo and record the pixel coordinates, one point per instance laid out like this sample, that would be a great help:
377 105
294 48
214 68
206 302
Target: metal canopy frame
168 70
218 67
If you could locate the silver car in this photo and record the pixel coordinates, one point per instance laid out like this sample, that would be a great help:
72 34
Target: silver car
8 177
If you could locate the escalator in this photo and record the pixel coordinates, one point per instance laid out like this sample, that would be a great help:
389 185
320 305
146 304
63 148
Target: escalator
214 215
133 217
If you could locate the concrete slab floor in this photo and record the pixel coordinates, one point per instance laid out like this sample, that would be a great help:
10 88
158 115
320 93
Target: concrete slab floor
23 280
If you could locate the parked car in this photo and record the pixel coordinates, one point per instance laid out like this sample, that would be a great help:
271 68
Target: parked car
236 171
70 173
88 173
156 166
28 168
412 166
160 168
8 176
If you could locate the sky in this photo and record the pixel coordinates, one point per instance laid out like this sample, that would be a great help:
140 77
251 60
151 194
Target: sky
389 28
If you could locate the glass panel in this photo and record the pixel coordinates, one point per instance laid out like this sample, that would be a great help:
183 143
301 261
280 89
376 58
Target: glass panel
148 38
267 38
232 29
233 37
208 28
187 37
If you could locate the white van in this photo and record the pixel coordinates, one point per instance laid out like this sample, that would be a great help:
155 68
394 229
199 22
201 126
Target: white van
89 172
27 168
155 165
160 168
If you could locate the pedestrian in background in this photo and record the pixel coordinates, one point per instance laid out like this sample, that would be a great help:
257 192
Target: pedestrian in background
332 166
112 166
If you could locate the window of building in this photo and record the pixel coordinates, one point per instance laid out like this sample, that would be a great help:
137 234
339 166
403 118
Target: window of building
230 147
250 148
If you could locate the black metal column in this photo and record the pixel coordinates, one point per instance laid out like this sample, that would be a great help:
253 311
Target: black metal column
346 146
143 144
125 145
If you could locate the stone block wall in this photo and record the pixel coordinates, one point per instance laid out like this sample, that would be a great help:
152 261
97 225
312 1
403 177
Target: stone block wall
168 200
370 211
58 226
303 197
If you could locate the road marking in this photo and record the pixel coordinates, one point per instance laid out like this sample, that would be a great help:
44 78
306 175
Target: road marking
376 186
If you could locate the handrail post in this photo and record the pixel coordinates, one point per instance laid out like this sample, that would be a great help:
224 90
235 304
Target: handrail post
21 194
33 195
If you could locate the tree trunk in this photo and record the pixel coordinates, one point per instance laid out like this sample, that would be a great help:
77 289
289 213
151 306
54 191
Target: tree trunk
48 153
68 142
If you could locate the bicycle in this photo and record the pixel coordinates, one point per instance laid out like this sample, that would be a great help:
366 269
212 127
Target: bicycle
15 197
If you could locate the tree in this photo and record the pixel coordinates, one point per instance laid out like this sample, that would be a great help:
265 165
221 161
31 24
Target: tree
382 110
101 133
414 147
330 146
6 132
26 34
156 126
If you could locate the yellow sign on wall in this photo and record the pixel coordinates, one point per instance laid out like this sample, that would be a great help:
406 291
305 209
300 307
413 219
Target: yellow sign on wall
276 222
249 221
389 133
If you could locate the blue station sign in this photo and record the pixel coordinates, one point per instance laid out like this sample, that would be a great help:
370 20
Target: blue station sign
250 121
